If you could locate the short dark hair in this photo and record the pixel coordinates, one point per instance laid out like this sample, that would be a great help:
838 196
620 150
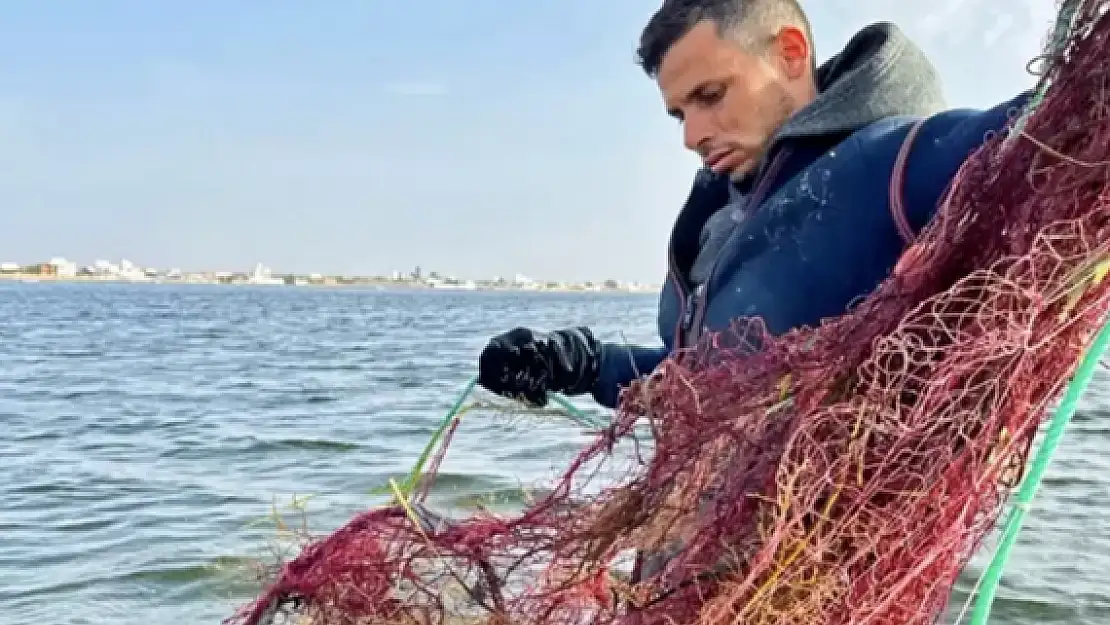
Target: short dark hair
733 17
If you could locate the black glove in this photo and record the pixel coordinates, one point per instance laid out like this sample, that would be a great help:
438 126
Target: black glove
522 364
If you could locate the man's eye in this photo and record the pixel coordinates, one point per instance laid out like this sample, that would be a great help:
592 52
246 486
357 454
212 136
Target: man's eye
709 98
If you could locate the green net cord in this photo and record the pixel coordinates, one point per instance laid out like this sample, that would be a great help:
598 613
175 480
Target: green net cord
1041 461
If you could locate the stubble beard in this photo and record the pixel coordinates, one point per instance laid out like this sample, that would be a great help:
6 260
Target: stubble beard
781 106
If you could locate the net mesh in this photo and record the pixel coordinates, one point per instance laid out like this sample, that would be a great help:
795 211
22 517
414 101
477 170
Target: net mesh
842 474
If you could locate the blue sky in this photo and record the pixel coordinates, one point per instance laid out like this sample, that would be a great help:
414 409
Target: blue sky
476 137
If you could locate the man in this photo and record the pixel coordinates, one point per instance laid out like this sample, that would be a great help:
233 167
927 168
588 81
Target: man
794 215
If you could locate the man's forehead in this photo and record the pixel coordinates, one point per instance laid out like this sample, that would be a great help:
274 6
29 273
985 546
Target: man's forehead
695 57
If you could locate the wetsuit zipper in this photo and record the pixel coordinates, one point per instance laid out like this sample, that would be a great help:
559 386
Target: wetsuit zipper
688 314
684 302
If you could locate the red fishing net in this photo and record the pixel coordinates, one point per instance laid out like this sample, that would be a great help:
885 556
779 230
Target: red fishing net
842 474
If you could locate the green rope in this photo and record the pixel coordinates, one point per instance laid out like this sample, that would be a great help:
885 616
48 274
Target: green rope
992 576
1028 490
578 415
458 408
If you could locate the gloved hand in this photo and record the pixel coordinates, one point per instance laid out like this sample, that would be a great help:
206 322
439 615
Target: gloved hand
526 365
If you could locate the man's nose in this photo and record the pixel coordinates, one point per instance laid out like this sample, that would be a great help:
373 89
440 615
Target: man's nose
695 134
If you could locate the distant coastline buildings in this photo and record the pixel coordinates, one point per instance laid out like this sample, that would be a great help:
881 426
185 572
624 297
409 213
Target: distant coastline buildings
62 269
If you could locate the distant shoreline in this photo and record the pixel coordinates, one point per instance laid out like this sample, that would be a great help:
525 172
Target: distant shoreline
328 284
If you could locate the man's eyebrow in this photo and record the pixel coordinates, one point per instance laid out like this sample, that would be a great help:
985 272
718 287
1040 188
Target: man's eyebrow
690 95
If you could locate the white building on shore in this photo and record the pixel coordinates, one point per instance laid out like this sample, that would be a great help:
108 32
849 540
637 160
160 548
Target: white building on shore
63 268
263 275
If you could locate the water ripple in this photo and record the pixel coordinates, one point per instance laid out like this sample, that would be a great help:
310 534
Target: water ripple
149 431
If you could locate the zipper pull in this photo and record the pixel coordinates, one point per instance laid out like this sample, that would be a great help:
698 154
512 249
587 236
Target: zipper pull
692 308
688 314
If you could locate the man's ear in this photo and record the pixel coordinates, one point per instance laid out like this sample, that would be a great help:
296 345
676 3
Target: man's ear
794 50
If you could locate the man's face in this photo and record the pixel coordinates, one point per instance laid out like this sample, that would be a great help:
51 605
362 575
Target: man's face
730 101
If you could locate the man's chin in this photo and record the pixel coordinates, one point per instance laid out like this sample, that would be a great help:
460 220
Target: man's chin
738 174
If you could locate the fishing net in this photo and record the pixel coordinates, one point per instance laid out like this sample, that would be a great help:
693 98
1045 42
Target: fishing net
842 474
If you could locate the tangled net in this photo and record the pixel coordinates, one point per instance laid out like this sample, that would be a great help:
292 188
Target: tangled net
843 474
